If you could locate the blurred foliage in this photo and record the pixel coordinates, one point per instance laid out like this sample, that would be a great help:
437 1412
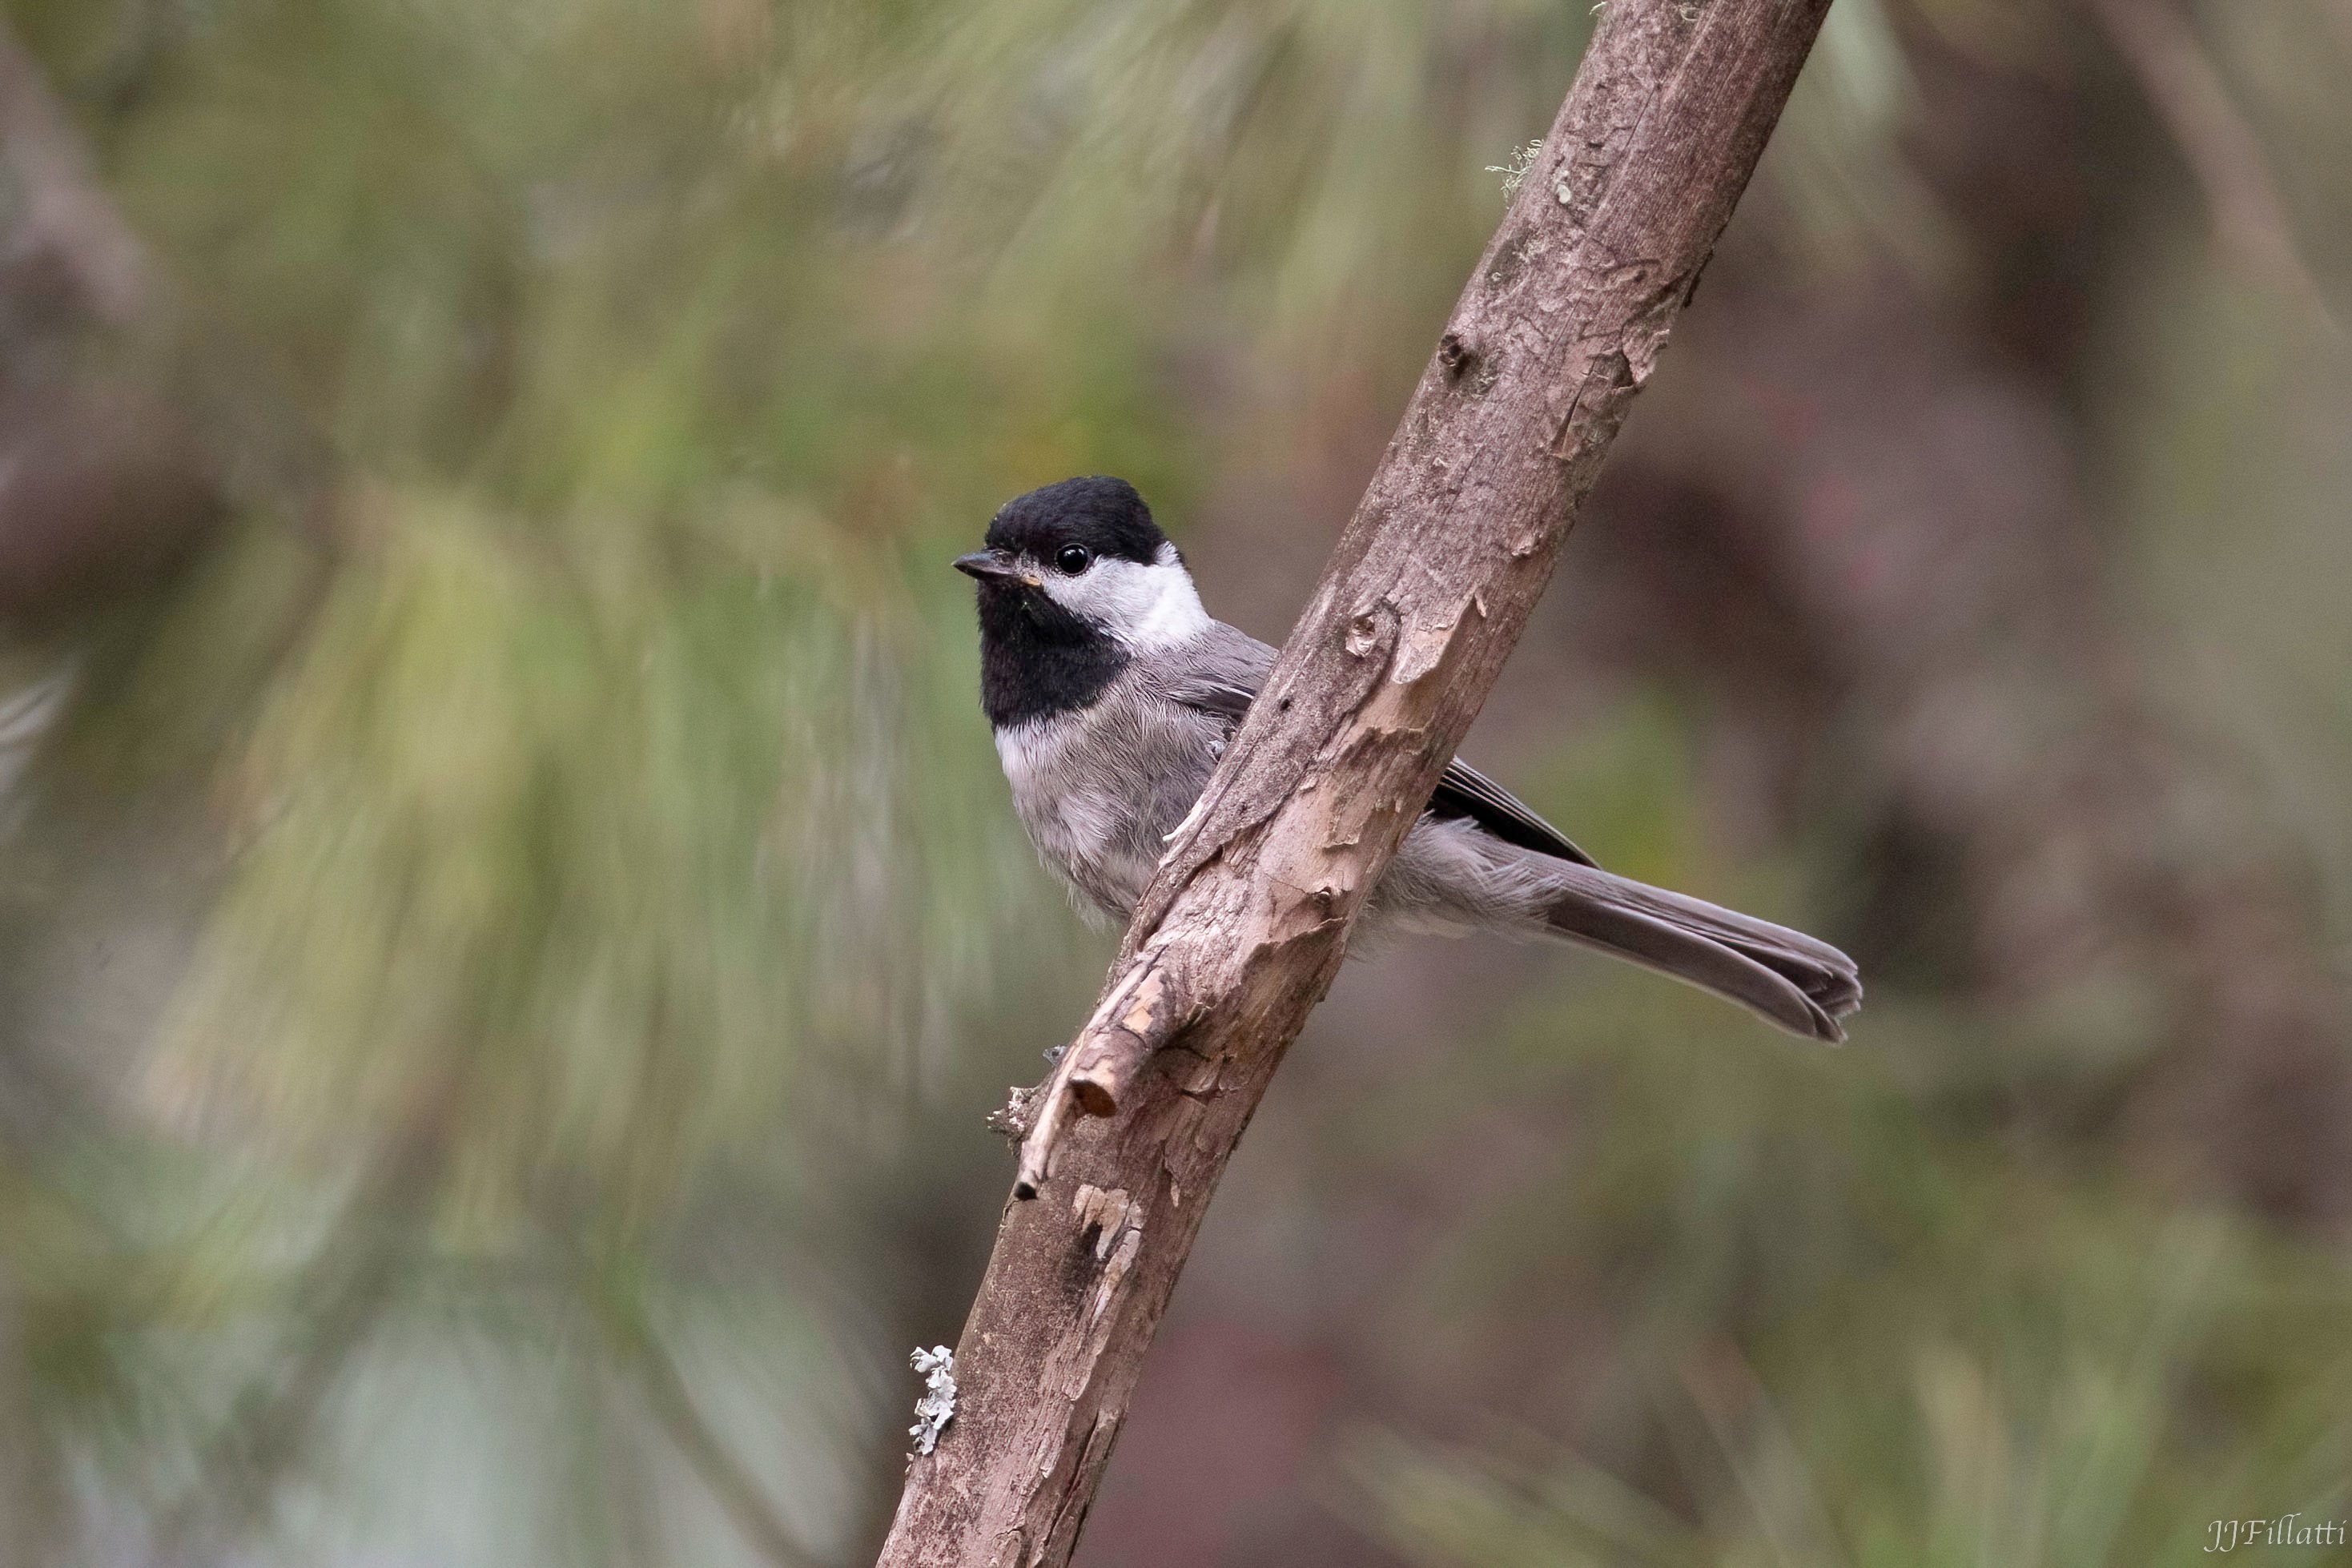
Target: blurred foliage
602 873
1863 1334
500 989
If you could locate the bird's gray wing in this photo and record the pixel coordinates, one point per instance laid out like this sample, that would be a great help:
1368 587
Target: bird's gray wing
1466 792
1220 674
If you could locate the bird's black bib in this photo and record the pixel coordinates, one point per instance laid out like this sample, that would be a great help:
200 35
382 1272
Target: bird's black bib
1037 658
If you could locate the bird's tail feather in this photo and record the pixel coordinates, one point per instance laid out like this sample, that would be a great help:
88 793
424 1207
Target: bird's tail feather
1802 985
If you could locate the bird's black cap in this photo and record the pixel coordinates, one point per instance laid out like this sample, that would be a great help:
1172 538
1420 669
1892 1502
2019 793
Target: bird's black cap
1102 514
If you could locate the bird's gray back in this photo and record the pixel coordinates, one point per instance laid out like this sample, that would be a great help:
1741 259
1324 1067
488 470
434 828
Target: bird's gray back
1101 788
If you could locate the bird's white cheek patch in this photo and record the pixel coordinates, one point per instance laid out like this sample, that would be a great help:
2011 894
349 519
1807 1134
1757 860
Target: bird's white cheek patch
1146 607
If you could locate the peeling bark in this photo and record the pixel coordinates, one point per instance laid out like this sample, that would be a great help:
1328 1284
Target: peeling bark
1244 929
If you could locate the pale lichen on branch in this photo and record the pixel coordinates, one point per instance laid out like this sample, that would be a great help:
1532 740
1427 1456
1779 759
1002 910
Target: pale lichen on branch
936 1408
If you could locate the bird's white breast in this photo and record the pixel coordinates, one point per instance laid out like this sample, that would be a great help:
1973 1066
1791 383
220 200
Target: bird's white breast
1070 803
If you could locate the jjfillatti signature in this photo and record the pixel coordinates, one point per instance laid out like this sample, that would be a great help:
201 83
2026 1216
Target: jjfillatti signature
2229 1534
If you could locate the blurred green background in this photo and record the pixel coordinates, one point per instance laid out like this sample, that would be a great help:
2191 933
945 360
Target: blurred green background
509 922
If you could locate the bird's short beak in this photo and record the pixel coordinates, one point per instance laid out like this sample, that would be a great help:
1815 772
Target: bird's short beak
985 565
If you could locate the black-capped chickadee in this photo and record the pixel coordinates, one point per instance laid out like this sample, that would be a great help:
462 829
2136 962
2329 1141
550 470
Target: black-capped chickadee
1113 693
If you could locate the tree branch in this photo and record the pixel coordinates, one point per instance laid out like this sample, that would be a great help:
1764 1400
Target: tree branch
1243 928
1142 1012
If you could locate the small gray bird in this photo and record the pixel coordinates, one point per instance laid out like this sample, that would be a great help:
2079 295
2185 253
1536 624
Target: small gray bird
1113 693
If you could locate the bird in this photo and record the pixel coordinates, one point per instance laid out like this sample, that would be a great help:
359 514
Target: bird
1112 693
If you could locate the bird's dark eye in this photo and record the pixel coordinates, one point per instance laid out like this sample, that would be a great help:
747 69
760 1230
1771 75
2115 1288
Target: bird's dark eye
1074 558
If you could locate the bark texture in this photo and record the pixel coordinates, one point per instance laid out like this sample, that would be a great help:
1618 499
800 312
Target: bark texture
1244 927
